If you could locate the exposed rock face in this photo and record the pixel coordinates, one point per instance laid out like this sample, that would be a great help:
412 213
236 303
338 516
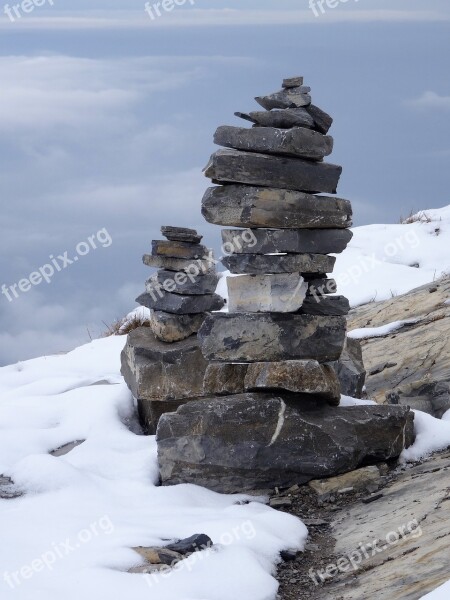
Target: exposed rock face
249 206
266 293
297 241
300 142
258 264
251 168
357 480
260 441
171 328
299 376
245 337
411 365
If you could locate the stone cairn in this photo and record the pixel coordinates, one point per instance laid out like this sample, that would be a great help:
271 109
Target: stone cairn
269 411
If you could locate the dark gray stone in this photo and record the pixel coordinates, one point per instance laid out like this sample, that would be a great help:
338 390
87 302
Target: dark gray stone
255 441
296 241
292 82
181 305
174 249
222 379
322 120
262 337
287 98
258 264
299 142
321 286
251 168
180 283
350 369
194 267
283 119
169 327
325 305
246 206
150 412
181 234
8 490
154 370
195 543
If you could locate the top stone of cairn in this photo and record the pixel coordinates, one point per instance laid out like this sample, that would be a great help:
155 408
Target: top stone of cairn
181 234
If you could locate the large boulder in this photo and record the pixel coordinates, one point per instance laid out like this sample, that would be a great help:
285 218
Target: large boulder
259 441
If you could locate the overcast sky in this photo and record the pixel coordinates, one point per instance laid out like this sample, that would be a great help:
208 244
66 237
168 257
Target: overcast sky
107 118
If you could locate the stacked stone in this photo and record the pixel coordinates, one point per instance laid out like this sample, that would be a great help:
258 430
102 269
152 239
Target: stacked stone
183 289
282 318
163 364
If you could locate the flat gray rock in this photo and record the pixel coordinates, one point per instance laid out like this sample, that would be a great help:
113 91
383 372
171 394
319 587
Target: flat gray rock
282 293
293 97
222 379
296 241
298 142
180 283
258 264
284 119
175 249
325 305
350 369
259 441
251 168
171 328
247 206
247 337
299 376
182 305
292 82
191 266
181 234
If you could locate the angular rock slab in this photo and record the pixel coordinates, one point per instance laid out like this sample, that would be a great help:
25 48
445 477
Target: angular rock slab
322 120
299 376
296 241
283 293
173 249
181 234
258 264
181 305
193 267
259 441
247 206
292 82
247 337
180 283
350 369
222 379
286 98
251 168
154 370
150 412
283 119
171 328
326 305
299 142
321 286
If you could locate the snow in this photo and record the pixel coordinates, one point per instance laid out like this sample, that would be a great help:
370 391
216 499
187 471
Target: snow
73 531
382 261
431 435
371 332
442 593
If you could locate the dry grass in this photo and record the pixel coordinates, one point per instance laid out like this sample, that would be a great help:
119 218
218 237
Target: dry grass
125 326
420 217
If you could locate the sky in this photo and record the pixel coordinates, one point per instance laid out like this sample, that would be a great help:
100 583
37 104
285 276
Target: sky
107 117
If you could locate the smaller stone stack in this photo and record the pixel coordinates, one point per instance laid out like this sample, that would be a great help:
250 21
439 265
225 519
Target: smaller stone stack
163 364
183 289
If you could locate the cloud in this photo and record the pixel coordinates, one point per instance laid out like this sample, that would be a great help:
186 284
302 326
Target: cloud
431 100
221 17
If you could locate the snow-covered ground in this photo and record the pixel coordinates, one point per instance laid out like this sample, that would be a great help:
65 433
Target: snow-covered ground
382 261
71 535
